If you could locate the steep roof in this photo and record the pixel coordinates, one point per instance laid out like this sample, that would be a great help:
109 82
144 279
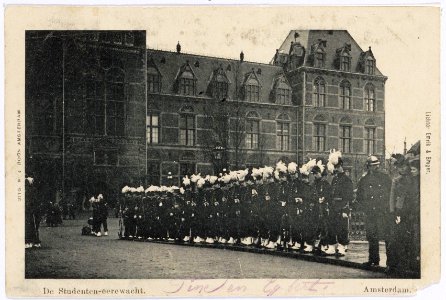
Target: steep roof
169 65
335 39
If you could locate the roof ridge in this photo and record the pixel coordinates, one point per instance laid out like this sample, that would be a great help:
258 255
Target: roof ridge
215 57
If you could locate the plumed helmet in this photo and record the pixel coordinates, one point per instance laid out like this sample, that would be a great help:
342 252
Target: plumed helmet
125 189
186 181
292 167
335 158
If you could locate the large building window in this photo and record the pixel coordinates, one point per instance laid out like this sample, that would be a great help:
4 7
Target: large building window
115 95
319 137
369 95
153 128
370 65
346 138
187 127
319 92
370 140
283 135
252 131
345 95
153 83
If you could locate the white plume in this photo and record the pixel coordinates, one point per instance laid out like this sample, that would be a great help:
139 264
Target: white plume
292 167
334 156
281 167
186 181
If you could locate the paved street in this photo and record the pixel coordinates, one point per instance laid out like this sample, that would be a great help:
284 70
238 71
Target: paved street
65 253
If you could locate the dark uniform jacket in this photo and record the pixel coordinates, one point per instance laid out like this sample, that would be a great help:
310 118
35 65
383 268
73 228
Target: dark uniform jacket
373 193
341 194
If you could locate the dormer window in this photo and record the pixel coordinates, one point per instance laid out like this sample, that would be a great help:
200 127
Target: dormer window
282 91
251 87
370 66
318 54
219 89
186 81
219 84
153 77
345 62
343 58
187 84
367 62
252 91
319 61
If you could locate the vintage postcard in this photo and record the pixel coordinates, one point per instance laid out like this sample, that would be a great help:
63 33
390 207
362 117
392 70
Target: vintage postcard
223 151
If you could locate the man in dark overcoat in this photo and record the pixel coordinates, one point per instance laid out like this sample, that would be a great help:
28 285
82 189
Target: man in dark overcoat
373 198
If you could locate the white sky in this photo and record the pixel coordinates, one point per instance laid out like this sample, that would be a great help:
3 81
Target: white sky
405 44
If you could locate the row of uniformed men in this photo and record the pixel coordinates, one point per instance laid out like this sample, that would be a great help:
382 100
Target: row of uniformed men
281 211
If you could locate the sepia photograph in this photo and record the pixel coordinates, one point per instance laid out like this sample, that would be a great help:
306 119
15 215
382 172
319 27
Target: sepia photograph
210 151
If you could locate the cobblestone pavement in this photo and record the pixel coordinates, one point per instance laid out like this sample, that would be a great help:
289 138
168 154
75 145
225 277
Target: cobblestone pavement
65 253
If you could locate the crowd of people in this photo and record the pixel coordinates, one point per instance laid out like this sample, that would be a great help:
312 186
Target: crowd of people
286 208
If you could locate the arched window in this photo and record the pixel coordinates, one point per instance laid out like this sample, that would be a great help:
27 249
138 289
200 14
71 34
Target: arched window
252 130
114 95
369 97
283 132
319 92
345 95
319 133
252 90
187 126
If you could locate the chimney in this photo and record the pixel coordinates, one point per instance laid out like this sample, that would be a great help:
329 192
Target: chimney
242 56
178 47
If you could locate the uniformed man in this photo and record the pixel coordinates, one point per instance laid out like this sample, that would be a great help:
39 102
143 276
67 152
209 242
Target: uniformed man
295 212
339 205
373 198
401 208
308 201
322 190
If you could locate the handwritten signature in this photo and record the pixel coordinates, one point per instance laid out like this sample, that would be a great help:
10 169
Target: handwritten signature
227 286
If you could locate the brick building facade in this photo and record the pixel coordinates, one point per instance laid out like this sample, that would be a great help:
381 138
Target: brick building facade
102 111
321 91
